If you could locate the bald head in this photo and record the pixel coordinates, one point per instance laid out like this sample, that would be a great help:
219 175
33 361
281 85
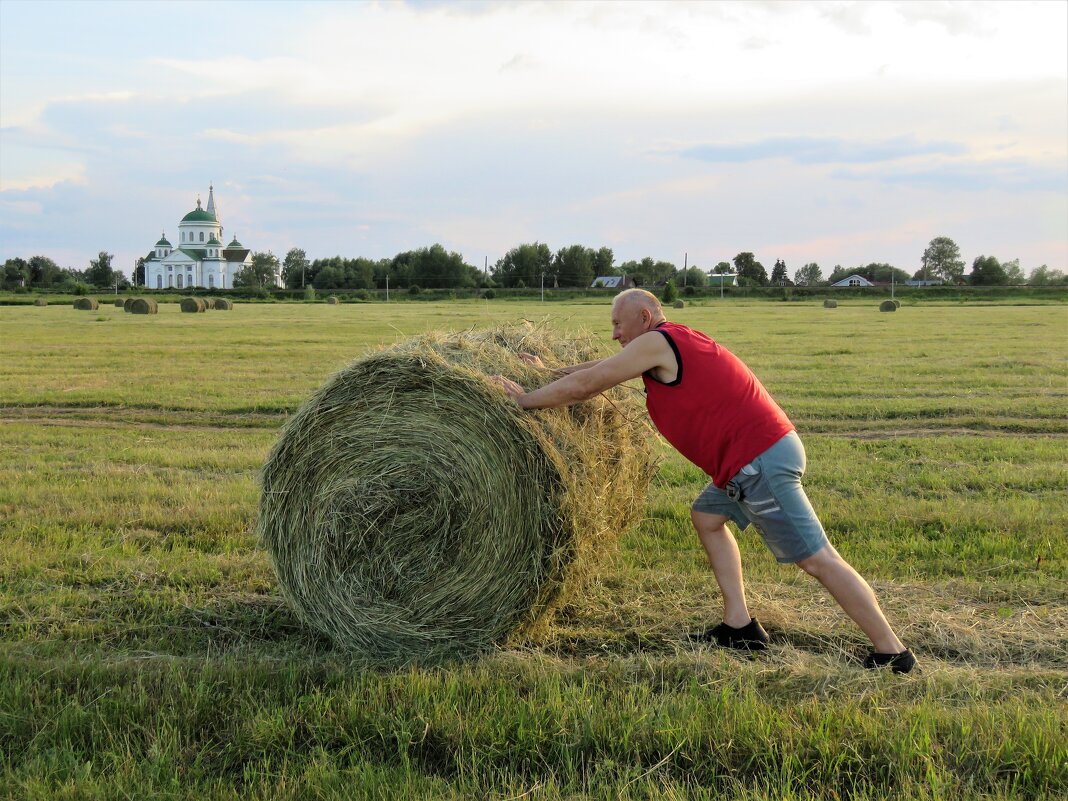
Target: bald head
630 301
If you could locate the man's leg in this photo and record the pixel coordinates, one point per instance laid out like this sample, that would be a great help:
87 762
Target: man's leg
854 595
726 561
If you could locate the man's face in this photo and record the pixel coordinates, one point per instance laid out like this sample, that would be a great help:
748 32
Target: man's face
629 320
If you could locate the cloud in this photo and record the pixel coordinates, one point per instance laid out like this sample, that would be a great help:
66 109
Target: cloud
821 150
1009 176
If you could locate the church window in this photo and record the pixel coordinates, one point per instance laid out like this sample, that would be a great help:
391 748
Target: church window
159 282
211 281
170 281
179 282
201 236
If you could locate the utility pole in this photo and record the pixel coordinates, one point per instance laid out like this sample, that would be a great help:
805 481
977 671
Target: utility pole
685 266
543 287
387 287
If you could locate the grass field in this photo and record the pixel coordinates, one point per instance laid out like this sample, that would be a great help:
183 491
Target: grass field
145 651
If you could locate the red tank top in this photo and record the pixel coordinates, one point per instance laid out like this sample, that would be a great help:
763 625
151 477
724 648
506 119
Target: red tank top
716 412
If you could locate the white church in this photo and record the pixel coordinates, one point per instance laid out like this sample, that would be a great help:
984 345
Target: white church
200 258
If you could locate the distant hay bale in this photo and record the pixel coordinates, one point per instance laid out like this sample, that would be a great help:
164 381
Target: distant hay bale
414 513
86 304
897 303
679 304
40 302
126 304
223 304
830 304
332 300
194 305
144 306
887 306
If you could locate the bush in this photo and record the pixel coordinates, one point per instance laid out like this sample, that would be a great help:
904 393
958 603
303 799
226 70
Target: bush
309 292
489 294
414 289
671 294
689 290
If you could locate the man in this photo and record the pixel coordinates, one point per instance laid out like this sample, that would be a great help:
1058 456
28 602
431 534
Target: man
712 408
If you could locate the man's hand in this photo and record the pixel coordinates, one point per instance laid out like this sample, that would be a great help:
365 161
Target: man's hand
531 359
511 387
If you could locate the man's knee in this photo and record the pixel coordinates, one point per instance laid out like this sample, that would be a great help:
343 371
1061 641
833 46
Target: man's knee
817 565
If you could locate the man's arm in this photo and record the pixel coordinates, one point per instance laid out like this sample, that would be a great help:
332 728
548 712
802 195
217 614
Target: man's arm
646 352
530 358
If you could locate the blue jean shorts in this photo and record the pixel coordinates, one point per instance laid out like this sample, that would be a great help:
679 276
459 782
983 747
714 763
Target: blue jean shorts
767 494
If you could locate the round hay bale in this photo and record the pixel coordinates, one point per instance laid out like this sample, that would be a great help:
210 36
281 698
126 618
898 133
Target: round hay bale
194 305
86 304
126 304
332 300
830 304
679 304
40 302
144 306
119 303
897 303
223 304
414 513
887 306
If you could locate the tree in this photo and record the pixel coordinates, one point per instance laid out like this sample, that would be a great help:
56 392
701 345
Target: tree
1013 273
778 273
524 265
261 272
987 271
43 271
139 272
16 274
295 268
573 266
603 262
838 273
750 271
100 273
692 276
942 259
722 268
671 294
809 275
1044 276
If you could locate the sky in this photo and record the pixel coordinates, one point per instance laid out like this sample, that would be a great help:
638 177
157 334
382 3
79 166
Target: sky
840 133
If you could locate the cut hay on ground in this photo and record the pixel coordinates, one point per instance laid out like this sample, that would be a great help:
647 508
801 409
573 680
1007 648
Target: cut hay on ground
144 306
414 513
194 305
86 304
830 304
126 304
40 302
332 300
887 306
222 304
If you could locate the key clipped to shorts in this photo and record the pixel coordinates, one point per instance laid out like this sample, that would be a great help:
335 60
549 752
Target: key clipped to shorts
734 492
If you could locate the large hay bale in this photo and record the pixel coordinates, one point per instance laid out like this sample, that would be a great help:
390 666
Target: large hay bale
40 302
144 306
194 305
679 304
897 303
332 300
887 306
830 304
86 304
414 513
126 304
119 302
223 304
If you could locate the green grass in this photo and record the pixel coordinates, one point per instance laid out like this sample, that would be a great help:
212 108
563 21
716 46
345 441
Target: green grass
145 651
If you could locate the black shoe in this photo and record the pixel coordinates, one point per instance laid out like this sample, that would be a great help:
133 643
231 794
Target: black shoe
899 663
750 637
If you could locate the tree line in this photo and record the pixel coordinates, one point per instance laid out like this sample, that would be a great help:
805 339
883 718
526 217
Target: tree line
532 265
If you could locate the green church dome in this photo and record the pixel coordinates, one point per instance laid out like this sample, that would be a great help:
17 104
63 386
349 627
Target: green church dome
163 243
199 215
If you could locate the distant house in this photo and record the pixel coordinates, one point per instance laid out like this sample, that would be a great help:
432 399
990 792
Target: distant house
924 282
723 279
612 282
853 280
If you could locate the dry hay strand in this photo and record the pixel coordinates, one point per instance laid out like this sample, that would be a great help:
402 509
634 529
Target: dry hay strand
332 300
223 304
40 302
194 305
144 306
414 513
887 306
679 304
830 304
126 304
86 304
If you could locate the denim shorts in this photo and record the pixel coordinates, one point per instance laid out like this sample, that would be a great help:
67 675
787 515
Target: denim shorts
767 494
